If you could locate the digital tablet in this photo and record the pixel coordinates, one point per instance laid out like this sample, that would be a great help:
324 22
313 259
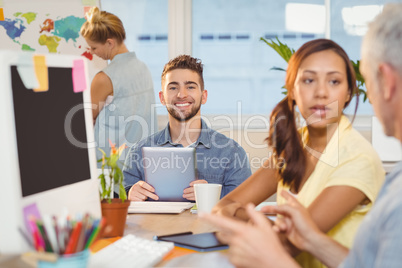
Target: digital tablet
199 242
169 170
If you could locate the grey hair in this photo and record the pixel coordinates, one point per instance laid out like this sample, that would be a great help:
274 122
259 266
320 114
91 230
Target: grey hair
383 40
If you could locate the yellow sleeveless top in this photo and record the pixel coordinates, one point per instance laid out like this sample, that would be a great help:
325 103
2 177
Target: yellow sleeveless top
348 160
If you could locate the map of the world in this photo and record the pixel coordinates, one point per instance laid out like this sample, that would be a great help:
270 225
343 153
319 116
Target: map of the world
45 31
47 26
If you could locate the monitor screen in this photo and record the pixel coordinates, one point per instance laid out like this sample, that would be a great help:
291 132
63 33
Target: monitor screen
48 157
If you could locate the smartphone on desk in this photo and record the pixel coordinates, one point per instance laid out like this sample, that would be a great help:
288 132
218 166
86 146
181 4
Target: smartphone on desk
200 242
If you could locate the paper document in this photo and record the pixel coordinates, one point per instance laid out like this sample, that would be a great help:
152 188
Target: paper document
158 207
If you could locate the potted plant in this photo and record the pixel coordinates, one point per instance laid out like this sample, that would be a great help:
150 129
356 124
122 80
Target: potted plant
286 52
114 210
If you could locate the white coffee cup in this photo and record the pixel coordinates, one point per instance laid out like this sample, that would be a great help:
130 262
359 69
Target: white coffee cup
206 196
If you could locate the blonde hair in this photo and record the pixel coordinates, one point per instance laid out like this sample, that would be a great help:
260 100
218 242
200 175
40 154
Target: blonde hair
102 25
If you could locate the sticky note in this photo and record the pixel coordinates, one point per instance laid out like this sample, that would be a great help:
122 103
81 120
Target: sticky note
79 81
89 2
1 14
86 10
29 211
26 70
41 73
1 3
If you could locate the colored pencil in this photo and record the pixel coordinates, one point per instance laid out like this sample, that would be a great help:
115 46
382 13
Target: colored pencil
72 243
97 230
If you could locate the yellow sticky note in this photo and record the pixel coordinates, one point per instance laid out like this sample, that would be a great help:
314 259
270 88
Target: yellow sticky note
1 14
41 73
89 2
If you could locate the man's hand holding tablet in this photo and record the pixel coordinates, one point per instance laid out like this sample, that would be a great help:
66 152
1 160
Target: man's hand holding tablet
188 193
141 191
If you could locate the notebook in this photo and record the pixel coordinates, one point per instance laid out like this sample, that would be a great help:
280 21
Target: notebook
169 170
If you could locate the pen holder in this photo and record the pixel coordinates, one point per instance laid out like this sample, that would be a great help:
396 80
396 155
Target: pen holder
76 260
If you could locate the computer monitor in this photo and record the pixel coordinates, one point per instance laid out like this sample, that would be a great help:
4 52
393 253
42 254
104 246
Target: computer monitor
47 141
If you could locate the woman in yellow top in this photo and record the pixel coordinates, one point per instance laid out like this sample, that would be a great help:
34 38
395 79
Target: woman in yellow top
327 164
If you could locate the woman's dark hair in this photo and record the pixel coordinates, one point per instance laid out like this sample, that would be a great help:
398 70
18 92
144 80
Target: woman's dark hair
283 134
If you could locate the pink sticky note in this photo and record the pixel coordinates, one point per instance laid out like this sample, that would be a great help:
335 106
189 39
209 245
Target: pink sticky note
29 211
86 10
79 81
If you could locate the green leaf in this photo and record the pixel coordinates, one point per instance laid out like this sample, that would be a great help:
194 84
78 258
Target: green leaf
102 151
118 176
103 185
122 193
359 79
282 49
286 53
277 69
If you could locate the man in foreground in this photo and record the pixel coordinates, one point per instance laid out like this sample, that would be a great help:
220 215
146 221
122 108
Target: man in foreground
219 159
378 242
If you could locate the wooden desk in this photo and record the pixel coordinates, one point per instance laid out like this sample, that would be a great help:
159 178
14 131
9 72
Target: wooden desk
149 225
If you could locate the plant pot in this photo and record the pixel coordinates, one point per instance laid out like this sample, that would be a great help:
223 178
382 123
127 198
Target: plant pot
115 214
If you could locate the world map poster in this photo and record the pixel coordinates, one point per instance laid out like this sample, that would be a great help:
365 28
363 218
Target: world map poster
47 27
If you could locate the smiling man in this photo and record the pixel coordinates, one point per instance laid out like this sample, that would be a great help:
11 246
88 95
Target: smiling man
219 159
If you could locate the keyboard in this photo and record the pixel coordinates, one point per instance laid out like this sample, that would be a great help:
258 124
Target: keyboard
131 251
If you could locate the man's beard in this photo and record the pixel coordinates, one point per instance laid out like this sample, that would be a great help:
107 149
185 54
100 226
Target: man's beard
180 116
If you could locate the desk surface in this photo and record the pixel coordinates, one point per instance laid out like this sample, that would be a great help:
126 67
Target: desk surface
149 225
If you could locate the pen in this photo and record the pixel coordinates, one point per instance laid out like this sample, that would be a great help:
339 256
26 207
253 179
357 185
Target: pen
42 231
95 233
49 229
72 243
90 229
56 230
81 236
38 242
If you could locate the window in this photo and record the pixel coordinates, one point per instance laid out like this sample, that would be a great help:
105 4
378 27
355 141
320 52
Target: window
225 36
348 25
146 25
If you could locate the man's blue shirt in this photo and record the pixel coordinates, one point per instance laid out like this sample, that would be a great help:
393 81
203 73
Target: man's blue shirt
378 242
219 158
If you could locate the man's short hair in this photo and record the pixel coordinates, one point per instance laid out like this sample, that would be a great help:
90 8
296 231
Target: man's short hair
383 41
184 62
